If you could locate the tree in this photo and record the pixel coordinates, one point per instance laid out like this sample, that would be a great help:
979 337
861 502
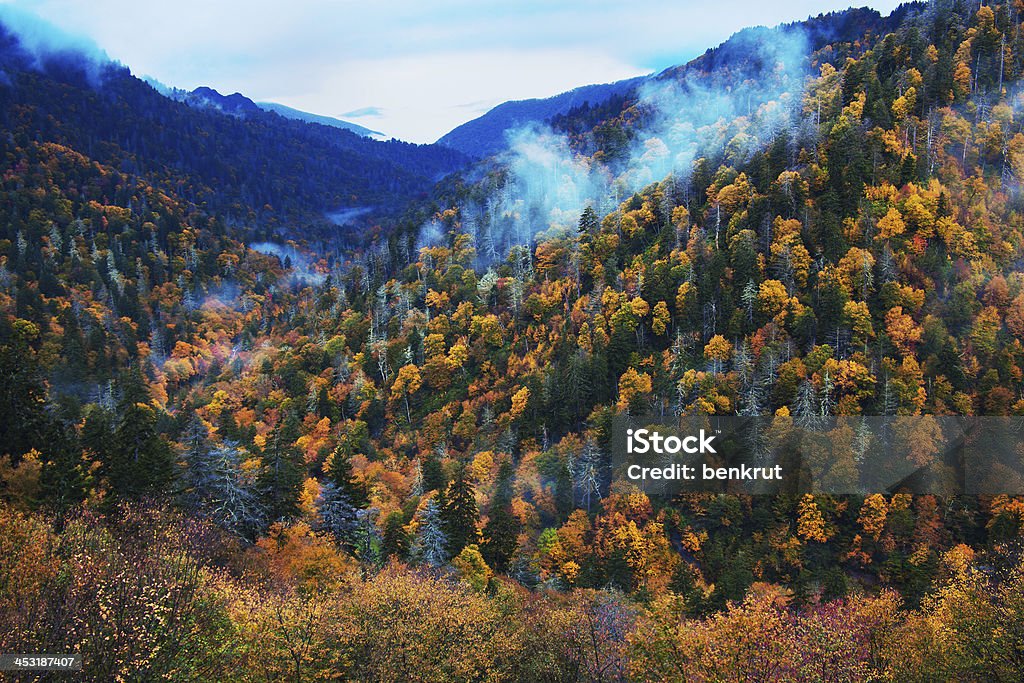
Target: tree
347 484
338 516
810 523
431 543
23 420
634 388
139 460
501 533
459 513
395 542
661 318
718 350
589 221
434 477
472 568
406 384
281 474
891 224
64 480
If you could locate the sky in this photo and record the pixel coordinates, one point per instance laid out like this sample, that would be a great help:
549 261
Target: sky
412 69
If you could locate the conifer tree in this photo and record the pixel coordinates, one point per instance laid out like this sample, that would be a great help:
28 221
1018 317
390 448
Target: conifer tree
23 420
396 541
434 478
459 513
589 221
63 480
431 545
501 534
340 474
281 475
139 458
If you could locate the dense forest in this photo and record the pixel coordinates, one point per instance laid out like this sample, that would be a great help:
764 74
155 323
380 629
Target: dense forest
230 453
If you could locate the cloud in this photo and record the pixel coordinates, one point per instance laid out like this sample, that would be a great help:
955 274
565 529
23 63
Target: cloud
41 38
415 61
374 112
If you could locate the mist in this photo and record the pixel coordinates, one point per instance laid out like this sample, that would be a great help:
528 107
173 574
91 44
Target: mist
727 104
300 267
42 42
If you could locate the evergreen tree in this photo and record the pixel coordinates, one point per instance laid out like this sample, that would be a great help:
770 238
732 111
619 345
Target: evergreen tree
431 546
63 480
338 516
434 478
23 419
231 497
501 534
589 221
139 458
96 434
564 502
281 476
459 513
216 485
227 426
396 540
340 474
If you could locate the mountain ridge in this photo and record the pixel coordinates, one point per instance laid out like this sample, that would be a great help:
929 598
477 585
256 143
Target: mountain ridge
484 135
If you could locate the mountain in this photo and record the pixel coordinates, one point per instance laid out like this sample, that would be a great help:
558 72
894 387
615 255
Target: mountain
485 135
298 115
222 152
236 104
239 105
407 455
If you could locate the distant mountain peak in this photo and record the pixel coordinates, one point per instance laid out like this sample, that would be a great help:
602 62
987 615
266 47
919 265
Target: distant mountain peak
238 105
235 104
486 134
299 115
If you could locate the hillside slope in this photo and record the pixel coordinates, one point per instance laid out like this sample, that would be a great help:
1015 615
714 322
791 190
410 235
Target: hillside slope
403 457
246 166
485 135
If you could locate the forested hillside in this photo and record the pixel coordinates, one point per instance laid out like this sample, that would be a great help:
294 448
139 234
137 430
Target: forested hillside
392 463
258 169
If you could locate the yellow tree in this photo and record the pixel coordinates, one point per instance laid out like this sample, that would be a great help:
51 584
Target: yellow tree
633 386
406 384
810 523
718 350
891 224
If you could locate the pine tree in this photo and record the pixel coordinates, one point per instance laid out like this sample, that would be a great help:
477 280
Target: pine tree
501 534
281 476
459 513
564 494
227 426
431 546
434 478
586 474
396 540
216 485
338 516
139 458
589 222
64 481
23 419
231 497
341 476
